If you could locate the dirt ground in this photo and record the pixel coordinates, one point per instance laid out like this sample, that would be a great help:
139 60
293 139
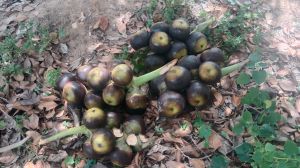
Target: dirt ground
80 21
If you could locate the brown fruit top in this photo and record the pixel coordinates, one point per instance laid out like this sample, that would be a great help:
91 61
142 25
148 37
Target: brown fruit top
174 73
122 74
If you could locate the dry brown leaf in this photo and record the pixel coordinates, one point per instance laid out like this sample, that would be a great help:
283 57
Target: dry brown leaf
289 108
94 47
35 136
215 140
282 72
50 114
42 164
131 140
33 121
19 106
47 105
190 150
236 100
61 155
122 21
29 165
226 82
297 105
50 98
103 23
8 157
288 85
197 163
169 138
117 132
114 50
174 164
219 100
157 156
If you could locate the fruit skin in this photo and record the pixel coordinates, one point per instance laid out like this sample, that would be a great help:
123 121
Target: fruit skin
177 50
153 62
192 63
137 99
63 79
198 94
196 43
113 120
89 152
140 39
134 125
98 78
160 26
159 42
171 104
83 71
122 155
92 100
210 72
180 29
94 118
113 95
214 54
102 141
178 78
74 93
157 86
122 75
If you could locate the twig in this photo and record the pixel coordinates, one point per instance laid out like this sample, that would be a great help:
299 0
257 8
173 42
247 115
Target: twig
5 100
15 145
75 116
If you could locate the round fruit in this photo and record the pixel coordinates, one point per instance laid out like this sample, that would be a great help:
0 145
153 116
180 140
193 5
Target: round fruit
122 75
134 125
196 43
153 62
159 42
171 104
140 39
214 54
103 141
98 78
180 29
113 95
92 100
122 155
178 50
94 118
210 72
157 86
160 27
74 93
82 72
89 152
136 99
113 120
198 94
190 62
63 79
178 78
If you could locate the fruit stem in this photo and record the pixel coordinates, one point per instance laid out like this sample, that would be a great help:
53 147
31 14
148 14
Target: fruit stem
231 68
68 132
202 26
141 80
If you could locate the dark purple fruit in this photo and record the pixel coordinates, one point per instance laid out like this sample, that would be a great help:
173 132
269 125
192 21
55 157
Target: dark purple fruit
122 155
210 72
103 141
140 39
92 100
159 42
157 86
94 118
113 95
134 125
74 93
180 29
171 104
122 75
177 51
160 27
214 54
63 79
98 78
82 72
196 43
190 62
113 120
178 78
198 94
153 62
89 152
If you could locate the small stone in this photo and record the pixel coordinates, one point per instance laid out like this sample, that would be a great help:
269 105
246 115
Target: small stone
63 48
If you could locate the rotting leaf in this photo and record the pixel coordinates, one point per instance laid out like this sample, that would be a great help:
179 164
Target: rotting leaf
157 156
8 157
215 140
47 105
103 23
61 155
197 163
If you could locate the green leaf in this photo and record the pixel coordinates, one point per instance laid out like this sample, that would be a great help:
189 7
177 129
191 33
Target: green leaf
2 124
238 129
266 131
255 56
247 118
290 148
259 76
244 152
243 79
269 147
69 160
204 131
219 161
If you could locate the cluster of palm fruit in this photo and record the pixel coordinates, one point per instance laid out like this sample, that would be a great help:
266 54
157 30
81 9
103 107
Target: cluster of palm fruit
186 84
105 97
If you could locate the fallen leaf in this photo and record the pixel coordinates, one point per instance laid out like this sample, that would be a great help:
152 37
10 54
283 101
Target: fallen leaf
288 85
174 164
298 105
94 47
103 23
8 157
219 100
190 151
35 136
289 108
34 121
215 140
29 165
236 100
42 164
197 163
47 105
49 98
157 156
122 21
131 140
169 138
282 72
61 155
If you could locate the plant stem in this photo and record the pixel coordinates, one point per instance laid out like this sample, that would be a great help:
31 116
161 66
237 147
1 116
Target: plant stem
278 158
203 26
15 145
231 68
68 132
141 80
